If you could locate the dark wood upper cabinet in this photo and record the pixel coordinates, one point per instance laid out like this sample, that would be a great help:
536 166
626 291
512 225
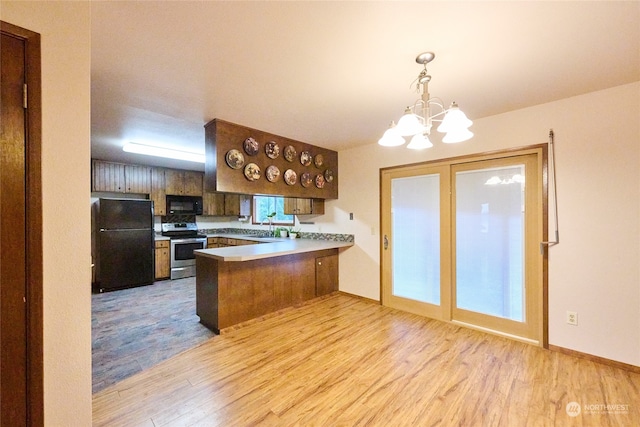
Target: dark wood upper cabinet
213 204
237 205
107 176
183 183
120 178
294 206
158 193
137 179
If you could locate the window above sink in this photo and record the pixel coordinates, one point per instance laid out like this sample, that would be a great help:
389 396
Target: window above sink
265 205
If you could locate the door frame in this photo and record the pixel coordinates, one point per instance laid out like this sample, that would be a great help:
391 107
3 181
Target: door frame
33 242
542 150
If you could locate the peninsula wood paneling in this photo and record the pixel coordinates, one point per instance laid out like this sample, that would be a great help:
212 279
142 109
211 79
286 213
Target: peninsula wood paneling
228 293
223 136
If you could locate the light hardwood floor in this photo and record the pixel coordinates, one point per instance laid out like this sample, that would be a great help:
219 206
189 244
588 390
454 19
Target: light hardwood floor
344 361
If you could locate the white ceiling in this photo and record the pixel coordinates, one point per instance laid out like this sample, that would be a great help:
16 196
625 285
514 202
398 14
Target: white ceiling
334 74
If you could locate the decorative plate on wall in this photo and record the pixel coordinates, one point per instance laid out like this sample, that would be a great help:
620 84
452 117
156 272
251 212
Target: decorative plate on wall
320 181
290 177
318 160
272 149
305 158
272 173
251 146
305 179
234 159
290 153
252 172
328 175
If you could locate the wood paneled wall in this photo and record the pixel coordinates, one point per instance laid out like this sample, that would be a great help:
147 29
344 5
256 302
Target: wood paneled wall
223 136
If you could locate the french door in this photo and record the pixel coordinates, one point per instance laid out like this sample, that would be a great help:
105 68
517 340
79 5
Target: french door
461 241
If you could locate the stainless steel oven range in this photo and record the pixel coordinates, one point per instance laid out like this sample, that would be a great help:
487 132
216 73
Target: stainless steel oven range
184 240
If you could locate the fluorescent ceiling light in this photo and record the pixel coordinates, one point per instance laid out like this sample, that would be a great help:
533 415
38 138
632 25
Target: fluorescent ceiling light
170 153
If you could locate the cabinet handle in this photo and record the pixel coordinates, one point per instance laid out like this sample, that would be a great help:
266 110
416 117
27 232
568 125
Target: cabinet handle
319 262
386 242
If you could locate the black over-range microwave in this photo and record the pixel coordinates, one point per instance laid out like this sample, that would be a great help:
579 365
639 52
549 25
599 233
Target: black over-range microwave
184 205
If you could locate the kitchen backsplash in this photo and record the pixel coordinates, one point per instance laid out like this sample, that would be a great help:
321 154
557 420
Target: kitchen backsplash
303 234
178 218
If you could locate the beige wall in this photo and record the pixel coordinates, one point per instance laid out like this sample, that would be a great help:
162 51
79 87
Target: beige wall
595 270
65 36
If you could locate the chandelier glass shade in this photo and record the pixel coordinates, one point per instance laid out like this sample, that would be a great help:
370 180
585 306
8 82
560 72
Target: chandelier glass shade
418 120
391 137
420 141
410 124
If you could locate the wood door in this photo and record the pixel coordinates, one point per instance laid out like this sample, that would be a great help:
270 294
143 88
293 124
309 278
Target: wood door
174 184
232 204
213 204
497 272
107 176
326 274
415 239
290 206
138 179
192 182
297 206
163 259
158 194
303 206
317 206
460 241
21 372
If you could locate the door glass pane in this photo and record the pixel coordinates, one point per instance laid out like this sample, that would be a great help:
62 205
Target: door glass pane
490 241
415 226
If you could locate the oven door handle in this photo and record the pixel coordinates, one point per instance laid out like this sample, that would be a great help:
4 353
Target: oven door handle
189 240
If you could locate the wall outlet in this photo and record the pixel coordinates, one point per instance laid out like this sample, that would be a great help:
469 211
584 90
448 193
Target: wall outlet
572 318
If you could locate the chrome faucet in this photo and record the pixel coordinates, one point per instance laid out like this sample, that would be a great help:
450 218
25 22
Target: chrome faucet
270 232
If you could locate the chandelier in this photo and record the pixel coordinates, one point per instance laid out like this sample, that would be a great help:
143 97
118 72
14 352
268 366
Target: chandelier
418 120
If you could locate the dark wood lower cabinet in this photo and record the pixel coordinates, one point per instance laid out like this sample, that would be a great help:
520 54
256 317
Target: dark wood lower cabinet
326 274
228 293
163 259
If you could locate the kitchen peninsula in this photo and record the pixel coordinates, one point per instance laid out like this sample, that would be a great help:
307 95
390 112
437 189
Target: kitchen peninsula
236 284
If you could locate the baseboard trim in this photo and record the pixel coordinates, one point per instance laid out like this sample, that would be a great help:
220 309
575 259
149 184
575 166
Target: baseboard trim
597 359
359 297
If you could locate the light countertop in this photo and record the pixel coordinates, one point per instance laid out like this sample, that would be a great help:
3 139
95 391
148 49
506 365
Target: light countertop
268 248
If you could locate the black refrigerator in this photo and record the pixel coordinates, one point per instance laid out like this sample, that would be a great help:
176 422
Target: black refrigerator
124 254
